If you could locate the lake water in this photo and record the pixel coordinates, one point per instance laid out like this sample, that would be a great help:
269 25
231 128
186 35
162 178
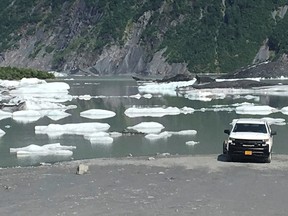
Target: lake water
113 94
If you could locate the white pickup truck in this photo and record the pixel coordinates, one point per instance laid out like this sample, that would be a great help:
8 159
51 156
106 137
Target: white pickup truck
249 138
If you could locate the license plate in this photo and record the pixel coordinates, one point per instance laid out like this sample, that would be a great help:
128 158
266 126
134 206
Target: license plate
248 152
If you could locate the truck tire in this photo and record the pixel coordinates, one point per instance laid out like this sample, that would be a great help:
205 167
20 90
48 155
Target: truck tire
269 158
224 147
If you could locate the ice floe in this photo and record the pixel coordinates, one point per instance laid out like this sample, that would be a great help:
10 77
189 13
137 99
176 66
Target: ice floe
275 121
191 143
163 135
97 114
4 115
255 110
99 138
2 133
184 132
40 98
164 88
56 130
284 110
48 149
26 116
85 97
148 127
133 112
221 93
56 115
105 140
53 92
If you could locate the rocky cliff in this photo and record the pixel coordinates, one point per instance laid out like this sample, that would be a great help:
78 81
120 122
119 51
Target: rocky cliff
147 37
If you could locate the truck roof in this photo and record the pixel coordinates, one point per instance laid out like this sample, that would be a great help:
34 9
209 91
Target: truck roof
250 121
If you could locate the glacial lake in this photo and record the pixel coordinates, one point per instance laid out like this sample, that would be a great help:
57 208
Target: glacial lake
211 115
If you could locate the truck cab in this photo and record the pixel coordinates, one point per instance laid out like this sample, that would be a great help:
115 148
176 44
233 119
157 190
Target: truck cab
250 138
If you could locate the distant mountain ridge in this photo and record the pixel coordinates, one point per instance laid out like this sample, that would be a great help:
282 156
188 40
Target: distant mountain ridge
147 37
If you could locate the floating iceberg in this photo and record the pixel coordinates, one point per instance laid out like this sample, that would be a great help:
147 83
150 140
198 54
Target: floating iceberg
26 116
191 143
275 121
85 97
56 130
255 110
163 135
164 88
97 114
105 140
4 115
153 112
2 133
148 127
53 92
184 133
45 150
284 110
56 114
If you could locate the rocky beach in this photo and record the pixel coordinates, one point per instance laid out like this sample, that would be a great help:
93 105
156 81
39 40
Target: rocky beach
173 185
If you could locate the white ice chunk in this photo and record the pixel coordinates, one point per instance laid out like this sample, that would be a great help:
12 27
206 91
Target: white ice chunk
48 149
191 143
43 105
26 116
164 88
2 133
96 134
58 74
148 127
187 110
54 92
105 140
275 121
99 138
153 112
148 96
284 110
115 134
97 114
163 135
55 130
137 96
85 97
184 132
255 110
4 115
56 114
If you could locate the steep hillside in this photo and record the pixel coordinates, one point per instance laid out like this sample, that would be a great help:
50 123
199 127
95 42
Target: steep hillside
141 36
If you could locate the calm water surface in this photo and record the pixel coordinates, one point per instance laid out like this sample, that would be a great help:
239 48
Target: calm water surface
114 96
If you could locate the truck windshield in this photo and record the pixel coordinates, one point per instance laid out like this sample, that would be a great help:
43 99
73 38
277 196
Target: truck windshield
258 128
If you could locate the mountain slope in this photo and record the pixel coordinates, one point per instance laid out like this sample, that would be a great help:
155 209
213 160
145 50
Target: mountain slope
141 36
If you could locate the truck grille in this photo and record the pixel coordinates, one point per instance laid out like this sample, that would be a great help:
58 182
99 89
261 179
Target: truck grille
248 143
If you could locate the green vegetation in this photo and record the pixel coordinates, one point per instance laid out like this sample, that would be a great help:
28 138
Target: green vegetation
208 35
12 73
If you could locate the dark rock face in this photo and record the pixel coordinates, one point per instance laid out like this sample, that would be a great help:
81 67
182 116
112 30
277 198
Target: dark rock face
201 80
264 70
245 84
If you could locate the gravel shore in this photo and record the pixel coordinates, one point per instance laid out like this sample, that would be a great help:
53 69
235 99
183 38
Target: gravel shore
182 185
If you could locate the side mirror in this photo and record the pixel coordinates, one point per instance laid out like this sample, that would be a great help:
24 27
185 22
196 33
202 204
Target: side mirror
273 133
227 131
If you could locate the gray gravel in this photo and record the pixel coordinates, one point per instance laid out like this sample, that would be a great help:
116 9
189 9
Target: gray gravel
184 185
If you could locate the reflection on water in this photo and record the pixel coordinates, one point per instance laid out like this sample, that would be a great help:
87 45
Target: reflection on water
113 95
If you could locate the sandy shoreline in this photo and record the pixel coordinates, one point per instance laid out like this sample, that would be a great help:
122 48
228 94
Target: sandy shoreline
183 185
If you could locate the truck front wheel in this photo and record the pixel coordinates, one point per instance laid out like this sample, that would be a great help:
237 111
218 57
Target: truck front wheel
269 158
